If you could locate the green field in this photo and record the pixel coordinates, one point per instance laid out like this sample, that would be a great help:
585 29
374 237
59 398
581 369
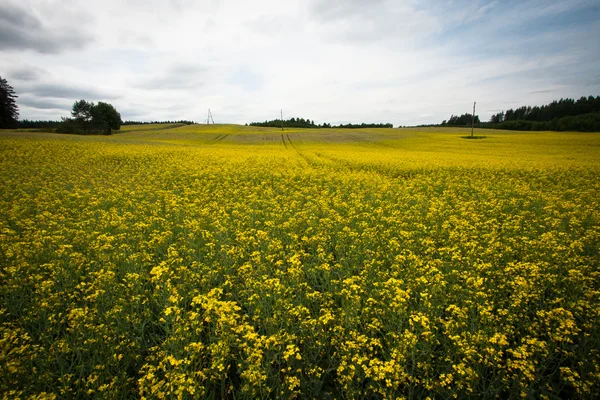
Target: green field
223 261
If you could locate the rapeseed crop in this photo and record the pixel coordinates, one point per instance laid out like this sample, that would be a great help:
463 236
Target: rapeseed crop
213 262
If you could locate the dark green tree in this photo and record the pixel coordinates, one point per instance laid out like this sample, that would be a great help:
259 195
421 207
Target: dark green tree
82 111
105 117
461 120
82 115
9 111
88 118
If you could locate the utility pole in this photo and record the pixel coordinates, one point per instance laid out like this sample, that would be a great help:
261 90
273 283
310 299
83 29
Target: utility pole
209 118
473 120
282 119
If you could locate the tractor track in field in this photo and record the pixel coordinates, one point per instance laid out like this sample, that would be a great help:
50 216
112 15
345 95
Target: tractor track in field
218 138
310 162
283 141
290 140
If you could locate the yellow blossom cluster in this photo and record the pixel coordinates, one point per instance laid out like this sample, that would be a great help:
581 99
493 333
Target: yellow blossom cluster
232 262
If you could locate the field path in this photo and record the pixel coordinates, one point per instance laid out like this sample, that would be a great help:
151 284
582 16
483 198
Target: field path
218 138
290 140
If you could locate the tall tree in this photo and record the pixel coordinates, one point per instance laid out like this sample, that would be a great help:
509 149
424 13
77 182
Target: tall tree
82 113
105 117
88 117
9 111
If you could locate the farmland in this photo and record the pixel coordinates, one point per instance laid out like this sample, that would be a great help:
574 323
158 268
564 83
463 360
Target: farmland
239 262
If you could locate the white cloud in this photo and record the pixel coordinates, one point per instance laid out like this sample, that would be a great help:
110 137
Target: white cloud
331 61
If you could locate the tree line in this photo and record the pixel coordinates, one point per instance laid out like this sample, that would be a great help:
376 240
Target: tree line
51 125
307 123
363 125
461 120
88 118
555 110
38 124
288 123
183 121
579 123
561 115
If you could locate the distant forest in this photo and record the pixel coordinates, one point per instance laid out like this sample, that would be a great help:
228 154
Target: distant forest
51 125
462 120
307 123
158 122
562 115
30 124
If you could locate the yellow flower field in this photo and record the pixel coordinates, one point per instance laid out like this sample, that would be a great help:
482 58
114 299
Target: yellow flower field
237 262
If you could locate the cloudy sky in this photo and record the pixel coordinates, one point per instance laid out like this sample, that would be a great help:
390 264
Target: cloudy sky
405 62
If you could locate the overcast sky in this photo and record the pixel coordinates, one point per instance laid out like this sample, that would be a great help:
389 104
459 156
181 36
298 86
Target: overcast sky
404 62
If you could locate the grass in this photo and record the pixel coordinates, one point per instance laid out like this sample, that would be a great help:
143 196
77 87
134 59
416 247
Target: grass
228 261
